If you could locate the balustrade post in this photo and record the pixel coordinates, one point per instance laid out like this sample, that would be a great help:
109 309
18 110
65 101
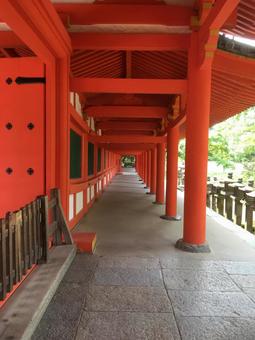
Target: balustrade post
250 209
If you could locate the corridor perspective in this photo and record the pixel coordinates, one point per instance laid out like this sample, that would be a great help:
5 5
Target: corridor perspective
137 285
92 247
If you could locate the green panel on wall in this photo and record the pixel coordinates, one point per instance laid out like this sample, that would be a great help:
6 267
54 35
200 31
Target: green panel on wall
90 159
99 160
105 157
75 155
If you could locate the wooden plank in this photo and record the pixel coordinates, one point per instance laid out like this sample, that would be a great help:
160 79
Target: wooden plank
24 239
52 202
15 248
52 228
29 234
9 254
57 235
44 228
18 223
3 259
62 221
38 226
34 232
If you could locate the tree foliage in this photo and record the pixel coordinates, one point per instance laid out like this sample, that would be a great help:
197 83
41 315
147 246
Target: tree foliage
232 142
218 150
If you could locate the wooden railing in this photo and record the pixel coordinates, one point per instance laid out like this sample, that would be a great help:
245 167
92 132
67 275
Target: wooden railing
25 236
232 199
90 190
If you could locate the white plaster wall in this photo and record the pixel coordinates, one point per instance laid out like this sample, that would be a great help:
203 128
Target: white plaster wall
79 202
88 194
71 207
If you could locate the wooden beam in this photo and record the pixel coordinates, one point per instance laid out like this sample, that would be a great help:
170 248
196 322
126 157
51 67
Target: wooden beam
128 132
111 85
119 125
9 40
134 139
130 42
127 111
181 119
219 14
128 64
90 14
38 26
124 147
209 31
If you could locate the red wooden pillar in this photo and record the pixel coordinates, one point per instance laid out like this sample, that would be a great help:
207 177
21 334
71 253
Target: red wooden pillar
142 165
172 175
161 152
145 169
63 131
139 160
197 125
148 169
153 171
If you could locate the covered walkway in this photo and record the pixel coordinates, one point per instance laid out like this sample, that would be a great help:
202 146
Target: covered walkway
139 286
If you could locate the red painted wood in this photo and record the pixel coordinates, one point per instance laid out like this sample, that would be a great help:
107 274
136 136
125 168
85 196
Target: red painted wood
114 111
160 192
149 168
197 126
119 125
153 170
110 85
130 42
172 171
89 14
22 148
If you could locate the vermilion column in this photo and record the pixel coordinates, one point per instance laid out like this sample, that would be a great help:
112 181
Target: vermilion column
172 175
63 131
142 172
148 169
197 125
153 171
145 168
161 153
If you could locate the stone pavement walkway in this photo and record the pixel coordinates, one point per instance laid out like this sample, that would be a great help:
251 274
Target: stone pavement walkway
130 291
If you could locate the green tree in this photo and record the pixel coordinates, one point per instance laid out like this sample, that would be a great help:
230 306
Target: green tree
219 150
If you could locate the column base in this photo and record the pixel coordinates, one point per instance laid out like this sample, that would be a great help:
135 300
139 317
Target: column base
171 218
192 248
158 203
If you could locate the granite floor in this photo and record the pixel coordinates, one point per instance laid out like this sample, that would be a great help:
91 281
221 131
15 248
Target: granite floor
138 286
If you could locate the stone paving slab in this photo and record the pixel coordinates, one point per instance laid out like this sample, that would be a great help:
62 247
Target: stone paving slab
244 281
23 311
127 326
74 297
250 293
129 262
128 277
197 328
50 329
190 263
240 268
63 313
198 280
82 268
202 303
128 299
